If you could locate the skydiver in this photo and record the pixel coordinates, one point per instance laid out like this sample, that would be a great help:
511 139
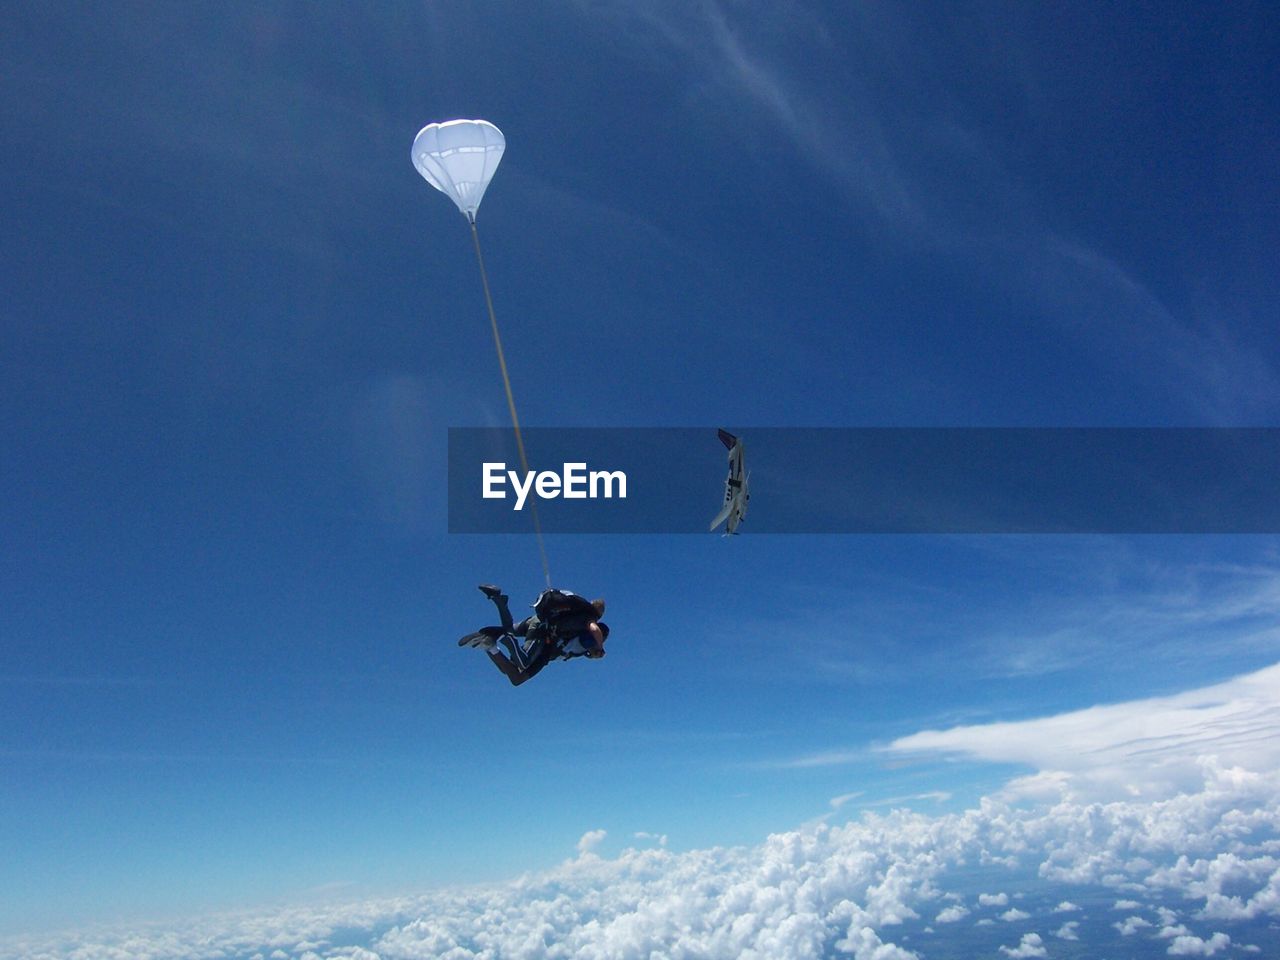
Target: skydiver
563 626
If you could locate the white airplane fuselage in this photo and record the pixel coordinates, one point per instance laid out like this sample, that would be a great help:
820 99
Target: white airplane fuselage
736 490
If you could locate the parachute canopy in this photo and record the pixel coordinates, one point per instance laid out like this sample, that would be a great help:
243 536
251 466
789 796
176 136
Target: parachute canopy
459 158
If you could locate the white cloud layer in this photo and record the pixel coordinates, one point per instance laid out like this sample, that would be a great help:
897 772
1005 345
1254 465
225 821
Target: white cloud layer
851 890
867 889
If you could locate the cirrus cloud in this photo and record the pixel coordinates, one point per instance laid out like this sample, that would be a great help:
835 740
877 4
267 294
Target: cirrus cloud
1151 748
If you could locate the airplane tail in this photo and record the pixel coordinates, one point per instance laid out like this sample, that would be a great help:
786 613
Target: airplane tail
727 438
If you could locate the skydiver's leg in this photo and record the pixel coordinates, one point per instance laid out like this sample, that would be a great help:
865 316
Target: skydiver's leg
532 671
521 652
509 669
526 653
500 601
518 675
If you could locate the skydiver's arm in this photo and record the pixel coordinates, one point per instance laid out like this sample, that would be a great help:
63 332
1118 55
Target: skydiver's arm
598 637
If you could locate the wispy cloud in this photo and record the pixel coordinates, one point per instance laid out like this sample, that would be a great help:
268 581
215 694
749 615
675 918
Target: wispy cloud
1110 604
1089 293
1152 747
828 758
863 145
1060 611
930 796
859 160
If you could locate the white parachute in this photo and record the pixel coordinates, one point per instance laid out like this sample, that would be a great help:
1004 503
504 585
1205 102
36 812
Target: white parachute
459 158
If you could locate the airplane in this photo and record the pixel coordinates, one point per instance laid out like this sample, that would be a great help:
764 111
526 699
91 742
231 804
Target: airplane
735 487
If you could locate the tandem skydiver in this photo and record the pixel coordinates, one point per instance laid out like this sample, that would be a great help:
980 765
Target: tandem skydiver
563 626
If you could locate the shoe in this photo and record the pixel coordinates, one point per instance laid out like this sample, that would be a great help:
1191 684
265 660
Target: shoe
490 591
485 639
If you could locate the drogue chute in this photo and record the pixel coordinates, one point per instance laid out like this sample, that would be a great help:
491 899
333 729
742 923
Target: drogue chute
459 158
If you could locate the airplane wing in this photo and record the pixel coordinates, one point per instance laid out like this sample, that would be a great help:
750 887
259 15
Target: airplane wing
721 516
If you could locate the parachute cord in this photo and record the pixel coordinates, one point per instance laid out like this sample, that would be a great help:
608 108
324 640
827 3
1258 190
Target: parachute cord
511 400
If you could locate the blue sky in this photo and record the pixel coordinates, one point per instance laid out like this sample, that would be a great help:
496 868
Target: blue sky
237 326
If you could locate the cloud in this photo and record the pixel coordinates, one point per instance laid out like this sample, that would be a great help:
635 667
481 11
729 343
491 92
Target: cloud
1091 617
1211 877
1131 925
868 147
1152 748
589 841
1088 290
1066 906
857 156
934 796
952 913
863 888
1030 946
1013 914
828 758
1195 947
1068 930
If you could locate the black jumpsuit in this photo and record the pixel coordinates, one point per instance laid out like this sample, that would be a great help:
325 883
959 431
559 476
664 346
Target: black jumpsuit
558 616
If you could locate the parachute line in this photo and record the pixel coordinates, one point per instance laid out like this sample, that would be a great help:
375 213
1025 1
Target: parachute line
511 400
